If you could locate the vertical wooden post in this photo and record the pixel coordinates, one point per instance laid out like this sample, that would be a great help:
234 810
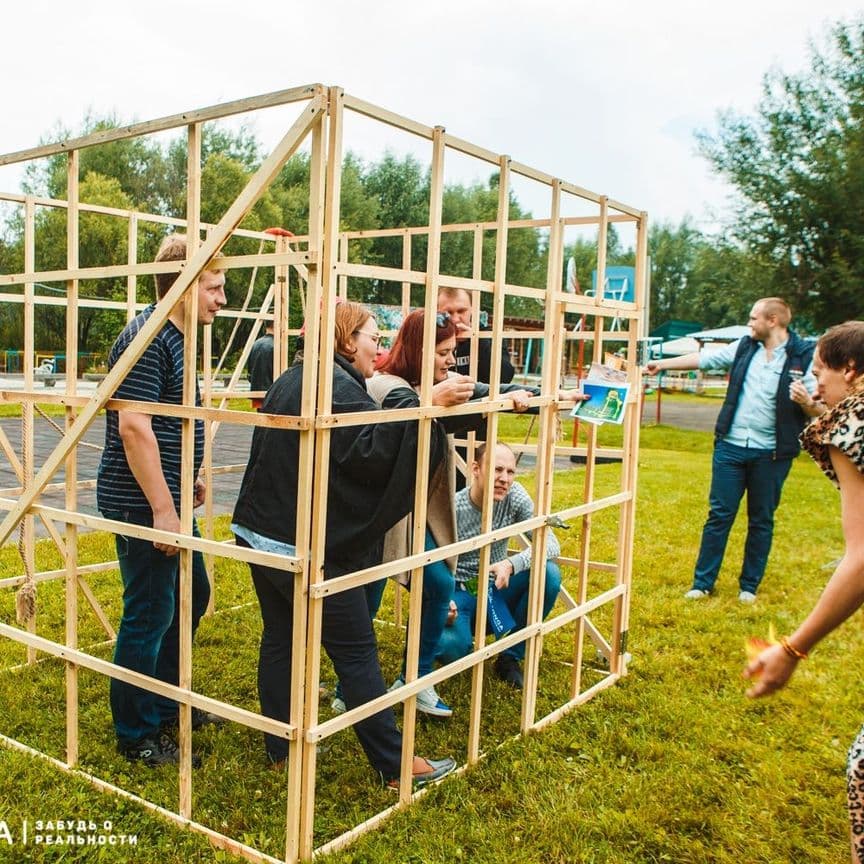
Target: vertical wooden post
406 308
325 187
342 283
280 312
132 258
406 265
553 341
71 474
207 463
498 301
627 523
590 466
187 459
424 438
27 414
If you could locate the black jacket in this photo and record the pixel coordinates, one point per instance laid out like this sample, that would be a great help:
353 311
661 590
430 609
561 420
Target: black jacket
260 363
372 473
789 418
484 360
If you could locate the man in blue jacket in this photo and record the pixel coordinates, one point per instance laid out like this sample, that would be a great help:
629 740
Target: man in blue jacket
767 404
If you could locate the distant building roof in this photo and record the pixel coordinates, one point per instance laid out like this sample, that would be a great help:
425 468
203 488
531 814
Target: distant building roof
675 328
722 334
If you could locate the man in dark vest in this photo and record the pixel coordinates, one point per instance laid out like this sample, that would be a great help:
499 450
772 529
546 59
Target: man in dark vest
767 404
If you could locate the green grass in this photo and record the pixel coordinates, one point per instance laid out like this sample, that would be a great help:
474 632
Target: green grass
672 764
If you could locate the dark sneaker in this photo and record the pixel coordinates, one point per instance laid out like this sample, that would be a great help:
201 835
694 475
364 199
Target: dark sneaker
200 719
153 752
438 768
508 670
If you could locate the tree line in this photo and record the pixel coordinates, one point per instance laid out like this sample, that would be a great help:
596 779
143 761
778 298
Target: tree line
795 165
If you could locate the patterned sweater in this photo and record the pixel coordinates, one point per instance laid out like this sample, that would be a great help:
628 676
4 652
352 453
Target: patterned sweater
516 507
842 427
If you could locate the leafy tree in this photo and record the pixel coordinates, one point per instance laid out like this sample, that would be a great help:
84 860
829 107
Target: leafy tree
138 165
798 167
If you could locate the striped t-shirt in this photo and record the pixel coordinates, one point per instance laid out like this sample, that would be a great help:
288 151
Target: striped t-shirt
156 377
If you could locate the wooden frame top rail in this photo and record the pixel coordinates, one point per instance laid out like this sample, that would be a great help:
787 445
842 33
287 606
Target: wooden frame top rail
172 121
150 268
140 215
391 118
367 109
482 226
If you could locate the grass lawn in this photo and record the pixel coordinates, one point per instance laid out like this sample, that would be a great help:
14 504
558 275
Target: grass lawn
673 764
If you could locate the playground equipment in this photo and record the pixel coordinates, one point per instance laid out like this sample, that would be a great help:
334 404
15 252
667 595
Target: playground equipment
321 265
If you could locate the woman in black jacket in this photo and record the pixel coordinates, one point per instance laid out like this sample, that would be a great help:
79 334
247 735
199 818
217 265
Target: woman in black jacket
371 487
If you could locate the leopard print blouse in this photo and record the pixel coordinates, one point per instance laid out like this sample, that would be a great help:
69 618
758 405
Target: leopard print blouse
842 427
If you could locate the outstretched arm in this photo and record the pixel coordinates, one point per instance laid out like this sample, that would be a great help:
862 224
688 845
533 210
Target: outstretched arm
843 594
688 361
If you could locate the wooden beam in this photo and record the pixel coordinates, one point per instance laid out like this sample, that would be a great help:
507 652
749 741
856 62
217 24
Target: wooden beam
256 185
71 472
172 121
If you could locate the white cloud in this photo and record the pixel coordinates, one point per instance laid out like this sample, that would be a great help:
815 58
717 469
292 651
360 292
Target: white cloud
604 95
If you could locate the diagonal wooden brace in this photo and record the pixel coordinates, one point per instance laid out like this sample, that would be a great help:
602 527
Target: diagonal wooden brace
190 273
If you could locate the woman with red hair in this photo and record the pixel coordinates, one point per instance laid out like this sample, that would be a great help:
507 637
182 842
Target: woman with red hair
397 385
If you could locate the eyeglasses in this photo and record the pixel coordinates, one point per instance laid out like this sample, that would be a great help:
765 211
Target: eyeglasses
375 337
441 318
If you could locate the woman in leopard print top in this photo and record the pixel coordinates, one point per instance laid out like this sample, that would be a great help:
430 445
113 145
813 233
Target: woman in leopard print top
836 442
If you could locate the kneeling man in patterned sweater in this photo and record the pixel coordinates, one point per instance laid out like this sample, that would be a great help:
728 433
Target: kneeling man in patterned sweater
511 573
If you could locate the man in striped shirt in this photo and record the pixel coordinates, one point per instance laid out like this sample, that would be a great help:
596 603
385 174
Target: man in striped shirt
138 483
510 572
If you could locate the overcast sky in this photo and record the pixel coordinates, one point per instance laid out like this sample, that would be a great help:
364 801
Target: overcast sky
605 94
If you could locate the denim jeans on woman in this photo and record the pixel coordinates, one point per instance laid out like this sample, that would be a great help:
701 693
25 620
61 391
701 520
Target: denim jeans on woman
438 585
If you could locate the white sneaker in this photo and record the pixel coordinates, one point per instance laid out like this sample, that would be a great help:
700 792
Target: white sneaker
428 701
746 597
695 594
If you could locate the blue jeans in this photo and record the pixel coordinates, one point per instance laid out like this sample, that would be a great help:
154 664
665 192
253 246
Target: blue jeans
438 585
734 471
458 639
148 640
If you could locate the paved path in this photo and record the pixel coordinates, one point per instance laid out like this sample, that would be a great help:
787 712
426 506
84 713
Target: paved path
231 448
699 416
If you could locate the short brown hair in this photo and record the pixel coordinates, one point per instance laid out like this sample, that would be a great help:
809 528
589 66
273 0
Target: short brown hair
453 293
350 317
843 346
777 307
173 248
